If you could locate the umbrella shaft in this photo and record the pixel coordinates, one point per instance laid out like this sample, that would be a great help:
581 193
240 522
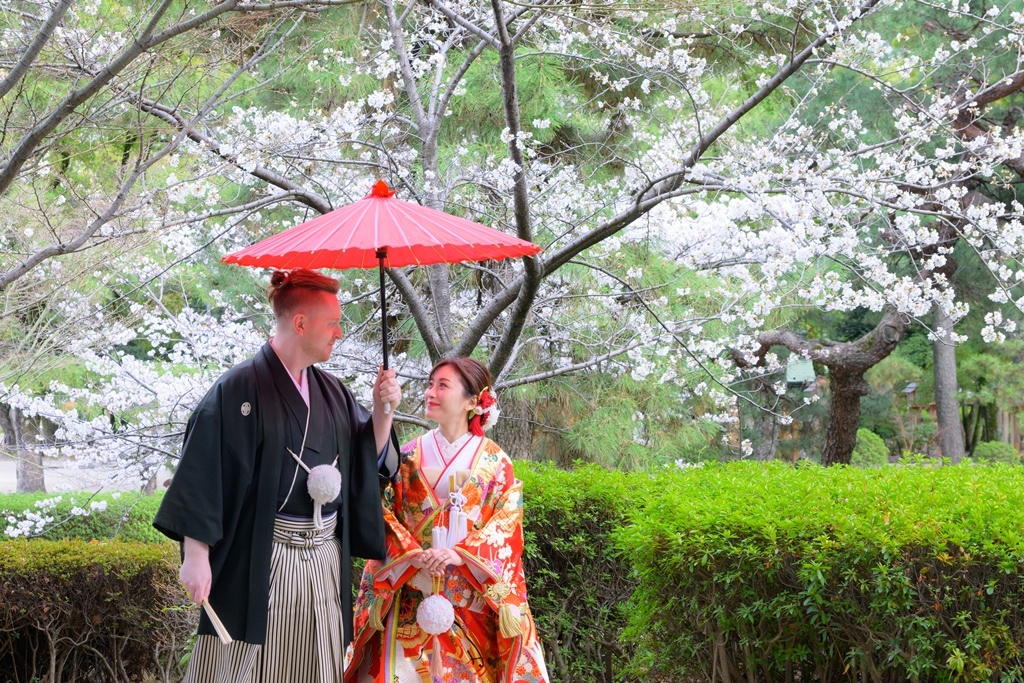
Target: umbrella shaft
381 255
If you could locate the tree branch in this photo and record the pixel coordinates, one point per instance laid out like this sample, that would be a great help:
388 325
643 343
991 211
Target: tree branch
310 199
487 315
666 186
969 111
411 90
453 83
43 35
529 22
417 307
589 363
146 41
532 268
466 24
855 356
6 278
295 4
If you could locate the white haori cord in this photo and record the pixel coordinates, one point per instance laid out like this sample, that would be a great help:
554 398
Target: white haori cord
323 482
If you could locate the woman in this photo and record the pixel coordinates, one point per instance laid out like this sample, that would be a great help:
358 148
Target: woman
454 521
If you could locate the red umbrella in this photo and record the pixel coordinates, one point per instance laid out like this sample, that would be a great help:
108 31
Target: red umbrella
381 230
410 235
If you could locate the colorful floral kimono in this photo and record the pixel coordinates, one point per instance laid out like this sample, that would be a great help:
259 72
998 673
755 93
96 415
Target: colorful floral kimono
493 639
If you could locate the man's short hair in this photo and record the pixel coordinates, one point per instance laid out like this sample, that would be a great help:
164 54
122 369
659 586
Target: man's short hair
289 290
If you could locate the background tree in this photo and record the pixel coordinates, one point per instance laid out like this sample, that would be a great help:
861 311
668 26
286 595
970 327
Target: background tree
698 176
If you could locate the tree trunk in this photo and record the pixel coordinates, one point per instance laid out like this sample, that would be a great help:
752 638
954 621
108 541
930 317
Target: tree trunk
846 390
439 289
847 362
766 425
978 426
767 446
19 433
947 403
514 429
991 432
968 415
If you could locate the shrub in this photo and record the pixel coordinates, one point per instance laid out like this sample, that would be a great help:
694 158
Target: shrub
77 611
88 516
870 450
768 572
996 451
578 585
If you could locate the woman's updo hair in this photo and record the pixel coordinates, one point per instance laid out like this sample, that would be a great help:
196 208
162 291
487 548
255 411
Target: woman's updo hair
474 375
289 290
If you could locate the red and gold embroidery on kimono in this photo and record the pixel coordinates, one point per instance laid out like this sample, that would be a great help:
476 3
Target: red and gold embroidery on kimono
493 639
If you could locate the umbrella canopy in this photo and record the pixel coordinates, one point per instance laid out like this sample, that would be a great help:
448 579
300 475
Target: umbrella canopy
382 231
408 235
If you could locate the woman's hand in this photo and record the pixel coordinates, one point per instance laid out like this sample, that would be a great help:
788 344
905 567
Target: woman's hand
436 560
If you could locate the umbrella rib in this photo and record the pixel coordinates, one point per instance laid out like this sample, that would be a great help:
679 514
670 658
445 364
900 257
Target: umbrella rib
404 219
353 218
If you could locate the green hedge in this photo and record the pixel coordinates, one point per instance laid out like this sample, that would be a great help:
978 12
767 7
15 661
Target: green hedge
128 516
739 571
769 572
79 611
578 585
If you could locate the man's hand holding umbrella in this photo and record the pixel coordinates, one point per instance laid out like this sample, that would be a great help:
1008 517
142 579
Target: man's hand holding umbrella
387 394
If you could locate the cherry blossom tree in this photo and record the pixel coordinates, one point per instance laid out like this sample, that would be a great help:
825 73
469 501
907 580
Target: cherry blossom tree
77 165
783 155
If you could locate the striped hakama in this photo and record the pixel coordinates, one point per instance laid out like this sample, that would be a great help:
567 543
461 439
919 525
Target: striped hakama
304 642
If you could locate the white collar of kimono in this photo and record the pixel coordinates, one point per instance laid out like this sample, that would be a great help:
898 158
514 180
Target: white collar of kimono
450 449
302 384
445 458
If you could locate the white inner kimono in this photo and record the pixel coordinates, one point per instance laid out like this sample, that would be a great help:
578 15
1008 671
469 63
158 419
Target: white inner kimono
440 460
441 463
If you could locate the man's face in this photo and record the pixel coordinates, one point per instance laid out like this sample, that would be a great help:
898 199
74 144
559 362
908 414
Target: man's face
320 326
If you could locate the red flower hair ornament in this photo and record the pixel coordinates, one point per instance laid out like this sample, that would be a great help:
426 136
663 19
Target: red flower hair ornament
485 413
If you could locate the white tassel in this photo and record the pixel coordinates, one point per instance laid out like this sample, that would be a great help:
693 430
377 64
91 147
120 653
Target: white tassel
436 615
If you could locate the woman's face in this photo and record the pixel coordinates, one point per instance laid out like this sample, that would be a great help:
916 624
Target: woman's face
445 400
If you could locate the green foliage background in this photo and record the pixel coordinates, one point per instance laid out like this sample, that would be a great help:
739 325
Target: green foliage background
127 517
909 570
870 450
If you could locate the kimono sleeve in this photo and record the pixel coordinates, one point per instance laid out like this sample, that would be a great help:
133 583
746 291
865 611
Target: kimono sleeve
493 552
382 579
216 468
402 545
366 517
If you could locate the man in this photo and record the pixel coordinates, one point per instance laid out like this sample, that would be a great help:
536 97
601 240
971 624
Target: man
275 563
